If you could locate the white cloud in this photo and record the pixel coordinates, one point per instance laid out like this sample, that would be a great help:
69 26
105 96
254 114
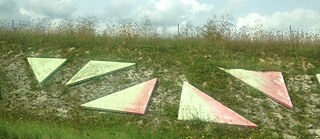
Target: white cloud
163 5
196 6
31 14
251 20
298 18
48 8
168 12
160 12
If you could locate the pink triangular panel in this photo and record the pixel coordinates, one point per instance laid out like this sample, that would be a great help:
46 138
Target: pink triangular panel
275 88
270 83
215 111
140 103
131 100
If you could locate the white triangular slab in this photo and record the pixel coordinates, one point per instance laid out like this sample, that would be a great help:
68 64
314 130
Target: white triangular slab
270 83
97 68
131 100
44 67
196 105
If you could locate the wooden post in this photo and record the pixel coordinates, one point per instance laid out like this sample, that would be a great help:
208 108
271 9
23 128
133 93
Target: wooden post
290 29
12 24
291 35
89 31
178 30
155 31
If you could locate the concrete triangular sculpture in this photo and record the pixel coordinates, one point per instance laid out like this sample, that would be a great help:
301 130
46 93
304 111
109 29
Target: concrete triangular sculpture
131 100
195 104
44 67
318 76
270 83
97 68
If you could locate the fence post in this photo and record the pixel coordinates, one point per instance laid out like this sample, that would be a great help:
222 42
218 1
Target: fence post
291 35
12 24
178 31
155 31
290 31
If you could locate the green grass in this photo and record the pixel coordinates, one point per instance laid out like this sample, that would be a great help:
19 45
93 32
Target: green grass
23 113
40 130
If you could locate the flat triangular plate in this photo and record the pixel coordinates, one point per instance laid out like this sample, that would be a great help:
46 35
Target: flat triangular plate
131 100
318 76
270 83
44 67
95 69
196 105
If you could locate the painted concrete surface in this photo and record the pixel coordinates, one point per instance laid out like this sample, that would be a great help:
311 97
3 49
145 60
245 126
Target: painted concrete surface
97 68
318 76
196 105
45 67
270 83
131 100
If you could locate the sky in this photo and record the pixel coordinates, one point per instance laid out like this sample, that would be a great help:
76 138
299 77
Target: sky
273 14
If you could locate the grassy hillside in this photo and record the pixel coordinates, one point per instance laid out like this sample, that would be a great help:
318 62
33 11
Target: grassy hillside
52 110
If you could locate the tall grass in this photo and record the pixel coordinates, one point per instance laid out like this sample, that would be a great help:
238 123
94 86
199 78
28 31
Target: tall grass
217 29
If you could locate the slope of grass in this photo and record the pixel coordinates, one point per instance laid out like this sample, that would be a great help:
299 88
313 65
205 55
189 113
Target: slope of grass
52 110
41 130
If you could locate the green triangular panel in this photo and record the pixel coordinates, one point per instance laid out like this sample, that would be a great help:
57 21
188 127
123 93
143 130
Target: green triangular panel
132 100
44 67
95 69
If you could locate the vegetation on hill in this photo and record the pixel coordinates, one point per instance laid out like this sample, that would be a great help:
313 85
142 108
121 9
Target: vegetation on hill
52 110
